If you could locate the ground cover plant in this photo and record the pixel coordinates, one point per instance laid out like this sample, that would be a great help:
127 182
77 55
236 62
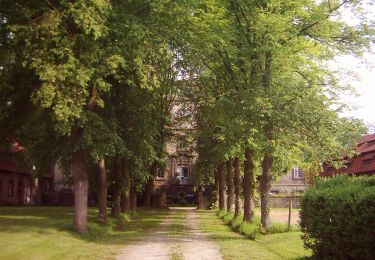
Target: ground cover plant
337 218
253 229
235 246
47 233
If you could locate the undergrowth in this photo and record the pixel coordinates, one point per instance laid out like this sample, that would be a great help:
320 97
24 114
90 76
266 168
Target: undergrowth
252 230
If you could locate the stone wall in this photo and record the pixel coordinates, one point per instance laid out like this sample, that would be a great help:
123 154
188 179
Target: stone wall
277 202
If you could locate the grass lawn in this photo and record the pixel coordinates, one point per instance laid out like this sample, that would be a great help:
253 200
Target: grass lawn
46 233
234 246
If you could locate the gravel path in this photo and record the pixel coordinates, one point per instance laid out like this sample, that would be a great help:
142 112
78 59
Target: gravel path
164 243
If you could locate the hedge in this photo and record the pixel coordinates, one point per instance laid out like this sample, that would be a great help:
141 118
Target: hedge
338 218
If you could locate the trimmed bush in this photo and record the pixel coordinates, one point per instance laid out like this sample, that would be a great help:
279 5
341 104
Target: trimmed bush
338 218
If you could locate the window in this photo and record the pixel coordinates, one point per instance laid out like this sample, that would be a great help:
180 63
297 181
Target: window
182 171
297 172
160 173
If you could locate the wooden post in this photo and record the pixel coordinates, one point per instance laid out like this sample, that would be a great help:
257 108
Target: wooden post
290 213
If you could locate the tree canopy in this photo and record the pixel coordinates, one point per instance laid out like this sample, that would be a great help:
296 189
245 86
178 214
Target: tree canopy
84 81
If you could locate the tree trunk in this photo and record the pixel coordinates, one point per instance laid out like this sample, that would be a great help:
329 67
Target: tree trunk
230 185
248 186
216 191
81 185
38 187
237 187
221 171
133 198
102 191
265 187
116 187
125 196
150 185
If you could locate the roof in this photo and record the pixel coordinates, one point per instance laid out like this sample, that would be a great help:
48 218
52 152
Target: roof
363 163
366 144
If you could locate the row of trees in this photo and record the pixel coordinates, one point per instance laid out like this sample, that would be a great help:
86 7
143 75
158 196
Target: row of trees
91 83
264 93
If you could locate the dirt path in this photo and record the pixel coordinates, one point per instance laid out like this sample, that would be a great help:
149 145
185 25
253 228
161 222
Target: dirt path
176 238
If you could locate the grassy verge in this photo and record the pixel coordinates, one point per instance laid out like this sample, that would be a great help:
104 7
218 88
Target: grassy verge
46 233
235 246
253 229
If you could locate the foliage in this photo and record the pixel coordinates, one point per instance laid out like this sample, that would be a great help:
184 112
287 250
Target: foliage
252 230
337 217
233 246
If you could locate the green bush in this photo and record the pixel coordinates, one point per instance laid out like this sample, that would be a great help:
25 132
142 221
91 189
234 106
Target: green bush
228 218
338 218
250 230
236 222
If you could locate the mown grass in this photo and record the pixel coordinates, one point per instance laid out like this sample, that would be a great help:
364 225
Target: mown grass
47 233
286 245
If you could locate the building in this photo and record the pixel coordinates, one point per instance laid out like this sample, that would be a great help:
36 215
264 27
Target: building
178 178
363 163
16 182
18 186
291 182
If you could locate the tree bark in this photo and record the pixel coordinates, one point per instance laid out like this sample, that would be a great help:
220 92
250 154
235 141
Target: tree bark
116 187
230 185
102 191
216 187
38 187
81 184
150 185
125 196
248 186
237 187
221 171
133 199
266 178
265 188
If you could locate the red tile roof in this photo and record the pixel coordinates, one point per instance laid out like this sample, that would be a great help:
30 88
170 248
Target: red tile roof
364 144
363 163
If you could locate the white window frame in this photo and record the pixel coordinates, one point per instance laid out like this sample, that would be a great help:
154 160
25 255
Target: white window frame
297 172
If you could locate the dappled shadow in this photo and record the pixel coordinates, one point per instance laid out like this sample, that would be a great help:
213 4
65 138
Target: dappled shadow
44 220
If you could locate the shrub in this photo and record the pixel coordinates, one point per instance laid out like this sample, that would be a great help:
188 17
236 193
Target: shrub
338 218
221 213
250 230
227 218
236 222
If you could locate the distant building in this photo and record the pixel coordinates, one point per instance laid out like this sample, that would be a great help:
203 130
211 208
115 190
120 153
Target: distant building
361 164
18 186
16 182
178 178
291 182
